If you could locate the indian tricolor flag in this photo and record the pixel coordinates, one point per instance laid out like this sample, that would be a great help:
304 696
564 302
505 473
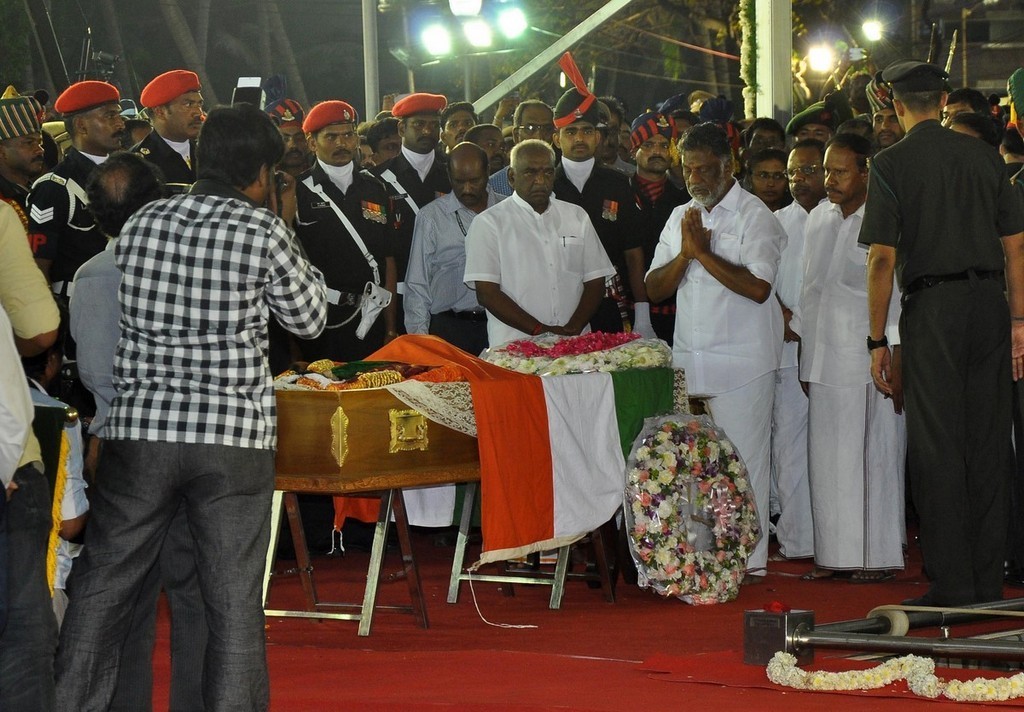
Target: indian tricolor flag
552 449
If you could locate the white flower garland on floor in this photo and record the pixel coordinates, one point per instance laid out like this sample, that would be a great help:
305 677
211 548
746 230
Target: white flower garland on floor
917 671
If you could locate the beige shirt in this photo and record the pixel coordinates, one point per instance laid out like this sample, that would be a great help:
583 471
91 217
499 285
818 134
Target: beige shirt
24 294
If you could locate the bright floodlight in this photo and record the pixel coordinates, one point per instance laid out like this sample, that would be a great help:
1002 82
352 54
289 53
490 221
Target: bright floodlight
872 30
821 58
512 22
436 40
465 8
478 32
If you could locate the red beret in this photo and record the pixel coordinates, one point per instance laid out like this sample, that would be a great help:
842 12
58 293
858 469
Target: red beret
329 112
418 104
169 86
81 96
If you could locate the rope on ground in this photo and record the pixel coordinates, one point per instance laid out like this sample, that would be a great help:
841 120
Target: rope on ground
476 605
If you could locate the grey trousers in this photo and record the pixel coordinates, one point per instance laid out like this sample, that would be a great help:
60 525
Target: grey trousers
226 492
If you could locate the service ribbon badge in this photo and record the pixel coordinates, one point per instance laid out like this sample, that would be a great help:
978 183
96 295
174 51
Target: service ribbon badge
610 211
374 212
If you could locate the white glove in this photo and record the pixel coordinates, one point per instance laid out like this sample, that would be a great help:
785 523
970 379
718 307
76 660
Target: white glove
642 320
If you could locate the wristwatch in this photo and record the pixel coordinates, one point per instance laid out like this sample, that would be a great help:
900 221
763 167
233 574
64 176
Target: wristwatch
872 344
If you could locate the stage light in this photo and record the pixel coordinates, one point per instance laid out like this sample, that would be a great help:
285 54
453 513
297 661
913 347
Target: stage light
873 30
512 22
478 32
821 58
465 8
436 40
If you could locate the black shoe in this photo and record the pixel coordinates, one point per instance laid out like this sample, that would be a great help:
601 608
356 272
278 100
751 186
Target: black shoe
1013 576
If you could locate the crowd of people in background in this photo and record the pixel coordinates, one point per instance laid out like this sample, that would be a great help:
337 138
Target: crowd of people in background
157 266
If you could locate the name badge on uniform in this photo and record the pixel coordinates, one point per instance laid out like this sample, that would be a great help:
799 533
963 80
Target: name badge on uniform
319 204
374 212
610 211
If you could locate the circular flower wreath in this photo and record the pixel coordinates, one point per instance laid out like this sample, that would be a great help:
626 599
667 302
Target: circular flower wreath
692 518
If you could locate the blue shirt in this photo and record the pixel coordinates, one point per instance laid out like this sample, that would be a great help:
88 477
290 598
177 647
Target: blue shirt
94 326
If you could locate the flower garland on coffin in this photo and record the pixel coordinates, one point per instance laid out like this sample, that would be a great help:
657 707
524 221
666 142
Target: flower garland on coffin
689 509
552 355
917 671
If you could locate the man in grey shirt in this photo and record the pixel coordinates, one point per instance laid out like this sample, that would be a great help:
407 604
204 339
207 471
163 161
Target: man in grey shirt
437 301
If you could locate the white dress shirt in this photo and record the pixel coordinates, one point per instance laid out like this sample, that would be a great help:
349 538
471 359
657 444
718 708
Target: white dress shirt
437 262
832 316
723 340
541 261
791 269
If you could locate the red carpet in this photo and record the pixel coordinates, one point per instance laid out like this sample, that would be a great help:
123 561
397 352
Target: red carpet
587 656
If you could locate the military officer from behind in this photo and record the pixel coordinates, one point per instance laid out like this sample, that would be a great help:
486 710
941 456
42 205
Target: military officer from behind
175 104
62 232
943 217
343 224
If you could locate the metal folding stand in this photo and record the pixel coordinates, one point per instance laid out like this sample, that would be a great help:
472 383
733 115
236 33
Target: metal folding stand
391 502
795 632
605 573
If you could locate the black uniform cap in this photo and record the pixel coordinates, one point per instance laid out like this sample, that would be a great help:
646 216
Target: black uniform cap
911 75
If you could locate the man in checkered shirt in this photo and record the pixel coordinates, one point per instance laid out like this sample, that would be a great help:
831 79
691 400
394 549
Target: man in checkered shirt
193 420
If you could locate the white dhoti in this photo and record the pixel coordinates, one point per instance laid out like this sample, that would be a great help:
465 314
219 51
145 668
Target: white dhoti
745 414
857 450
794 529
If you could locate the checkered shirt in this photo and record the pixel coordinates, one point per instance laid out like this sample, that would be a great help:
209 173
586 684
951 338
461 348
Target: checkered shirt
201 276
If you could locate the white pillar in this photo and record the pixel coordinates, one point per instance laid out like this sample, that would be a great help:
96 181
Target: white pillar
774 70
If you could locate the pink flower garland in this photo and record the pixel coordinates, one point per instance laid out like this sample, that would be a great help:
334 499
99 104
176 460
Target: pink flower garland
570 345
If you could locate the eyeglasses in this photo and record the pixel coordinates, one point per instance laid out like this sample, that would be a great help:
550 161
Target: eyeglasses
536 128
806 170
772 175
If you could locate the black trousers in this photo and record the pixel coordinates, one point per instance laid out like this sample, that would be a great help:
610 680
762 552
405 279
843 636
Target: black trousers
956 365
470 336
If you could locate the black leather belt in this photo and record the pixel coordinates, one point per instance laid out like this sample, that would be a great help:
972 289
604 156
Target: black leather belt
932 280
466 315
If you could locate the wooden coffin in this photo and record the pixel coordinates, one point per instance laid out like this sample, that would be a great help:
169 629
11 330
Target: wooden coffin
338 442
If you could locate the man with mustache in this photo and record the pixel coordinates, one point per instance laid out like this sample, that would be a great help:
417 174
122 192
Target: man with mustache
175 104
884 121
62 232
289 115
856 441
580 122
417 175
344 225
456 120
652 136
21 149
790 485
437 300
535 261
719 255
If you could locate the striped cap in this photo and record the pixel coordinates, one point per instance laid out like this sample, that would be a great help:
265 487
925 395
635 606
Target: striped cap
19 115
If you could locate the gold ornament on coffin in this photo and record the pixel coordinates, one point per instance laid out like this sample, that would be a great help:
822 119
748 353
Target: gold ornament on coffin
408 430
339 436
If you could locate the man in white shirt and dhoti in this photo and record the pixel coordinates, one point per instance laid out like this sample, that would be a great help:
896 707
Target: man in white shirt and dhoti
719 254
856 440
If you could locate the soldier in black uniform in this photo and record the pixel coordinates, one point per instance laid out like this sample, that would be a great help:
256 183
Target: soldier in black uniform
606 196
942 215
21 149
62 232
418 174
335 184
652 136
175 104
